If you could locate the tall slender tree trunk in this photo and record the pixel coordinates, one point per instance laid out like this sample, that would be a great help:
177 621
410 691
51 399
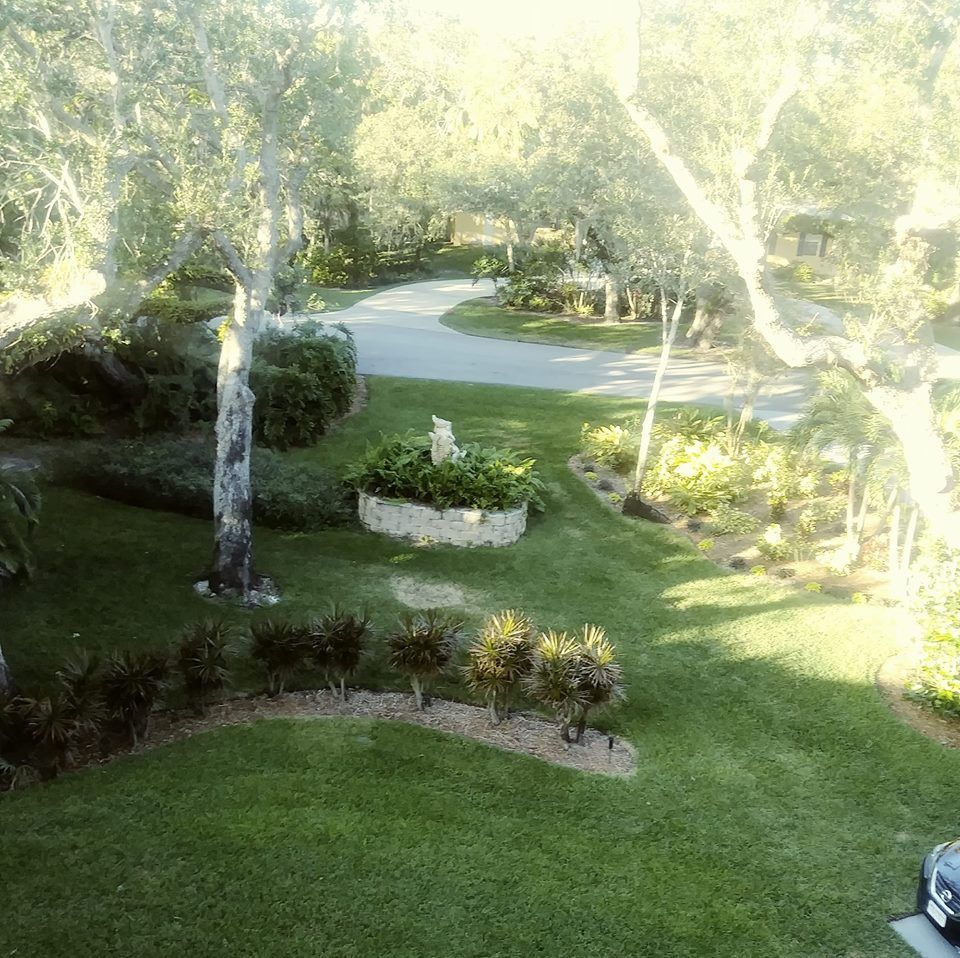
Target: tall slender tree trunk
893 545
646 430
511 265
579 234
232 493
851 498
7 684
611 298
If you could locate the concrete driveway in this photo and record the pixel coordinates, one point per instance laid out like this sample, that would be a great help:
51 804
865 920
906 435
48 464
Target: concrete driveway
398 333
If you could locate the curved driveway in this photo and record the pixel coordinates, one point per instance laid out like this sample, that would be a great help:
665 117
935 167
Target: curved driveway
398 333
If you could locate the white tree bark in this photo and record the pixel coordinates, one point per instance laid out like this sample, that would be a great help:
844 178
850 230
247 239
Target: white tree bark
646 430
6 678
611 298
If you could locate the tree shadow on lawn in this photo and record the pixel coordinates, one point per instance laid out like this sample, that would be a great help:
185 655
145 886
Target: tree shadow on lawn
744 832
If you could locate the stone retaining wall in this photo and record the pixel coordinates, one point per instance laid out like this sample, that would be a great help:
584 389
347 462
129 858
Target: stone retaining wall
459 527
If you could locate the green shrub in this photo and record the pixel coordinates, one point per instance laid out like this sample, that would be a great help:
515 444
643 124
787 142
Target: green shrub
177 475
499 658
725 519
488 267
401 468
758 570
170 309
131 683
202 658
696 475
691 423
937 683
423 647
612 446
705 545
303 380
813 587
352 261
282 648
574 675
772 545
338 641
803 272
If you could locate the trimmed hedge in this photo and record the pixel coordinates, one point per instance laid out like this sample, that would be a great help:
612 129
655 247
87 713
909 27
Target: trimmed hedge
177 475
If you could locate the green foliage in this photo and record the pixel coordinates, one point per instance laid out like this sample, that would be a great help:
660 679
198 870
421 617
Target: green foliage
130 684
282 649
813 587
488 267
574 675
351 261
202 658
705 545
802 272
696 475
725 519
168 309
423 647
499 658
338 641
303 380
772 545
612 446
177 475
691 423
401 468
19 517
758 570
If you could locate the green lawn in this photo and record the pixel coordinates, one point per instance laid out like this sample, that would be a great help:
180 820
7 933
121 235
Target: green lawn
480 317
779 808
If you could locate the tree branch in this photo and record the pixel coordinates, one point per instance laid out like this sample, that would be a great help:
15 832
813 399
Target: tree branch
235 264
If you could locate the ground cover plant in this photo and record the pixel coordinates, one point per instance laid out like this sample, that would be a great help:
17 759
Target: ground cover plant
762 744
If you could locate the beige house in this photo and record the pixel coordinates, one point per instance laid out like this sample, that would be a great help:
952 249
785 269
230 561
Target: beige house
475 229
793 246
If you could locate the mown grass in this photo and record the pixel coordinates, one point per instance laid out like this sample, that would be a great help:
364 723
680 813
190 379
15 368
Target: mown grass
778 809
480 317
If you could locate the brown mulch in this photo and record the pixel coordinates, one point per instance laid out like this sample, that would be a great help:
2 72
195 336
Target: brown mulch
523 732
892 678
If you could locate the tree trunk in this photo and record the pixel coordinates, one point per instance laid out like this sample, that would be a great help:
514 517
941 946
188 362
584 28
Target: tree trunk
343 688
907 555
893 546
851 499
7 685
669 335
611 299
746 413
232 494
492 710
417 691
511 266
579 234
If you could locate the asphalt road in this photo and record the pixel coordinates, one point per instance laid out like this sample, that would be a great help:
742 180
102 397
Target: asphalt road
398 333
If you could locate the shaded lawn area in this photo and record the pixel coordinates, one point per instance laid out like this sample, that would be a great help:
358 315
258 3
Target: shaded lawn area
480 317
779 808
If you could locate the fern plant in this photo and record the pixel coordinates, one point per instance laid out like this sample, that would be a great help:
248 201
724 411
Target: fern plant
500 656
423 647
131 684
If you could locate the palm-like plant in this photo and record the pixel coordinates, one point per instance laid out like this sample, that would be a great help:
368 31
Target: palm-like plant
282 648
554 679
423 647
500 656
203 660
338 641
80 683
131 684
573 676
599 673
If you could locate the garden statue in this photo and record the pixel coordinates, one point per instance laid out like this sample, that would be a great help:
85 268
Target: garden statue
444 445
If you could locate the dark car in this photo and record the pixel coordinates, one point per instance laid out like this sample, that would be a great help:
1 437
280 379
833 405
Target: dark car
938 890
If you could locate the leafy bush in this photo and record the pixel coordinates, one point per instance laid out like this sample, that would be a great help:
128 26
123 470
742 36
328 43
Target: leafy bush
705 545
423 647
19 517
726 519
573 676
177 474
488 267
303 380
401 468
338 641
803 272
172 310
691 423
612 446
282 648
696 475
772 545
131 683
202 660
353 261
500 656
813 587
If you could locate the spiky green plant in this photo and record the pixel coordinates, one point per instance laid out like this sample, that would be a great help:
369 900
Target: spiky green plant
131 684
80 683
338 641
423 647
599 673
203 660
282 648
500 656
554 678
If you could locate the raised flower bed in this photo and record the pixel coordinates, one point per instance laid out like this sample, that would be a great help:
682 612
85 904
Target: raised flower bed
412 488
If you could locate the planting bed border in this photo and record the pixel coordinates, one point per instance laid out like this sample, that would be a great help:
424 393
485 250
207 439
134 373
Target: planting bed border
458 527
